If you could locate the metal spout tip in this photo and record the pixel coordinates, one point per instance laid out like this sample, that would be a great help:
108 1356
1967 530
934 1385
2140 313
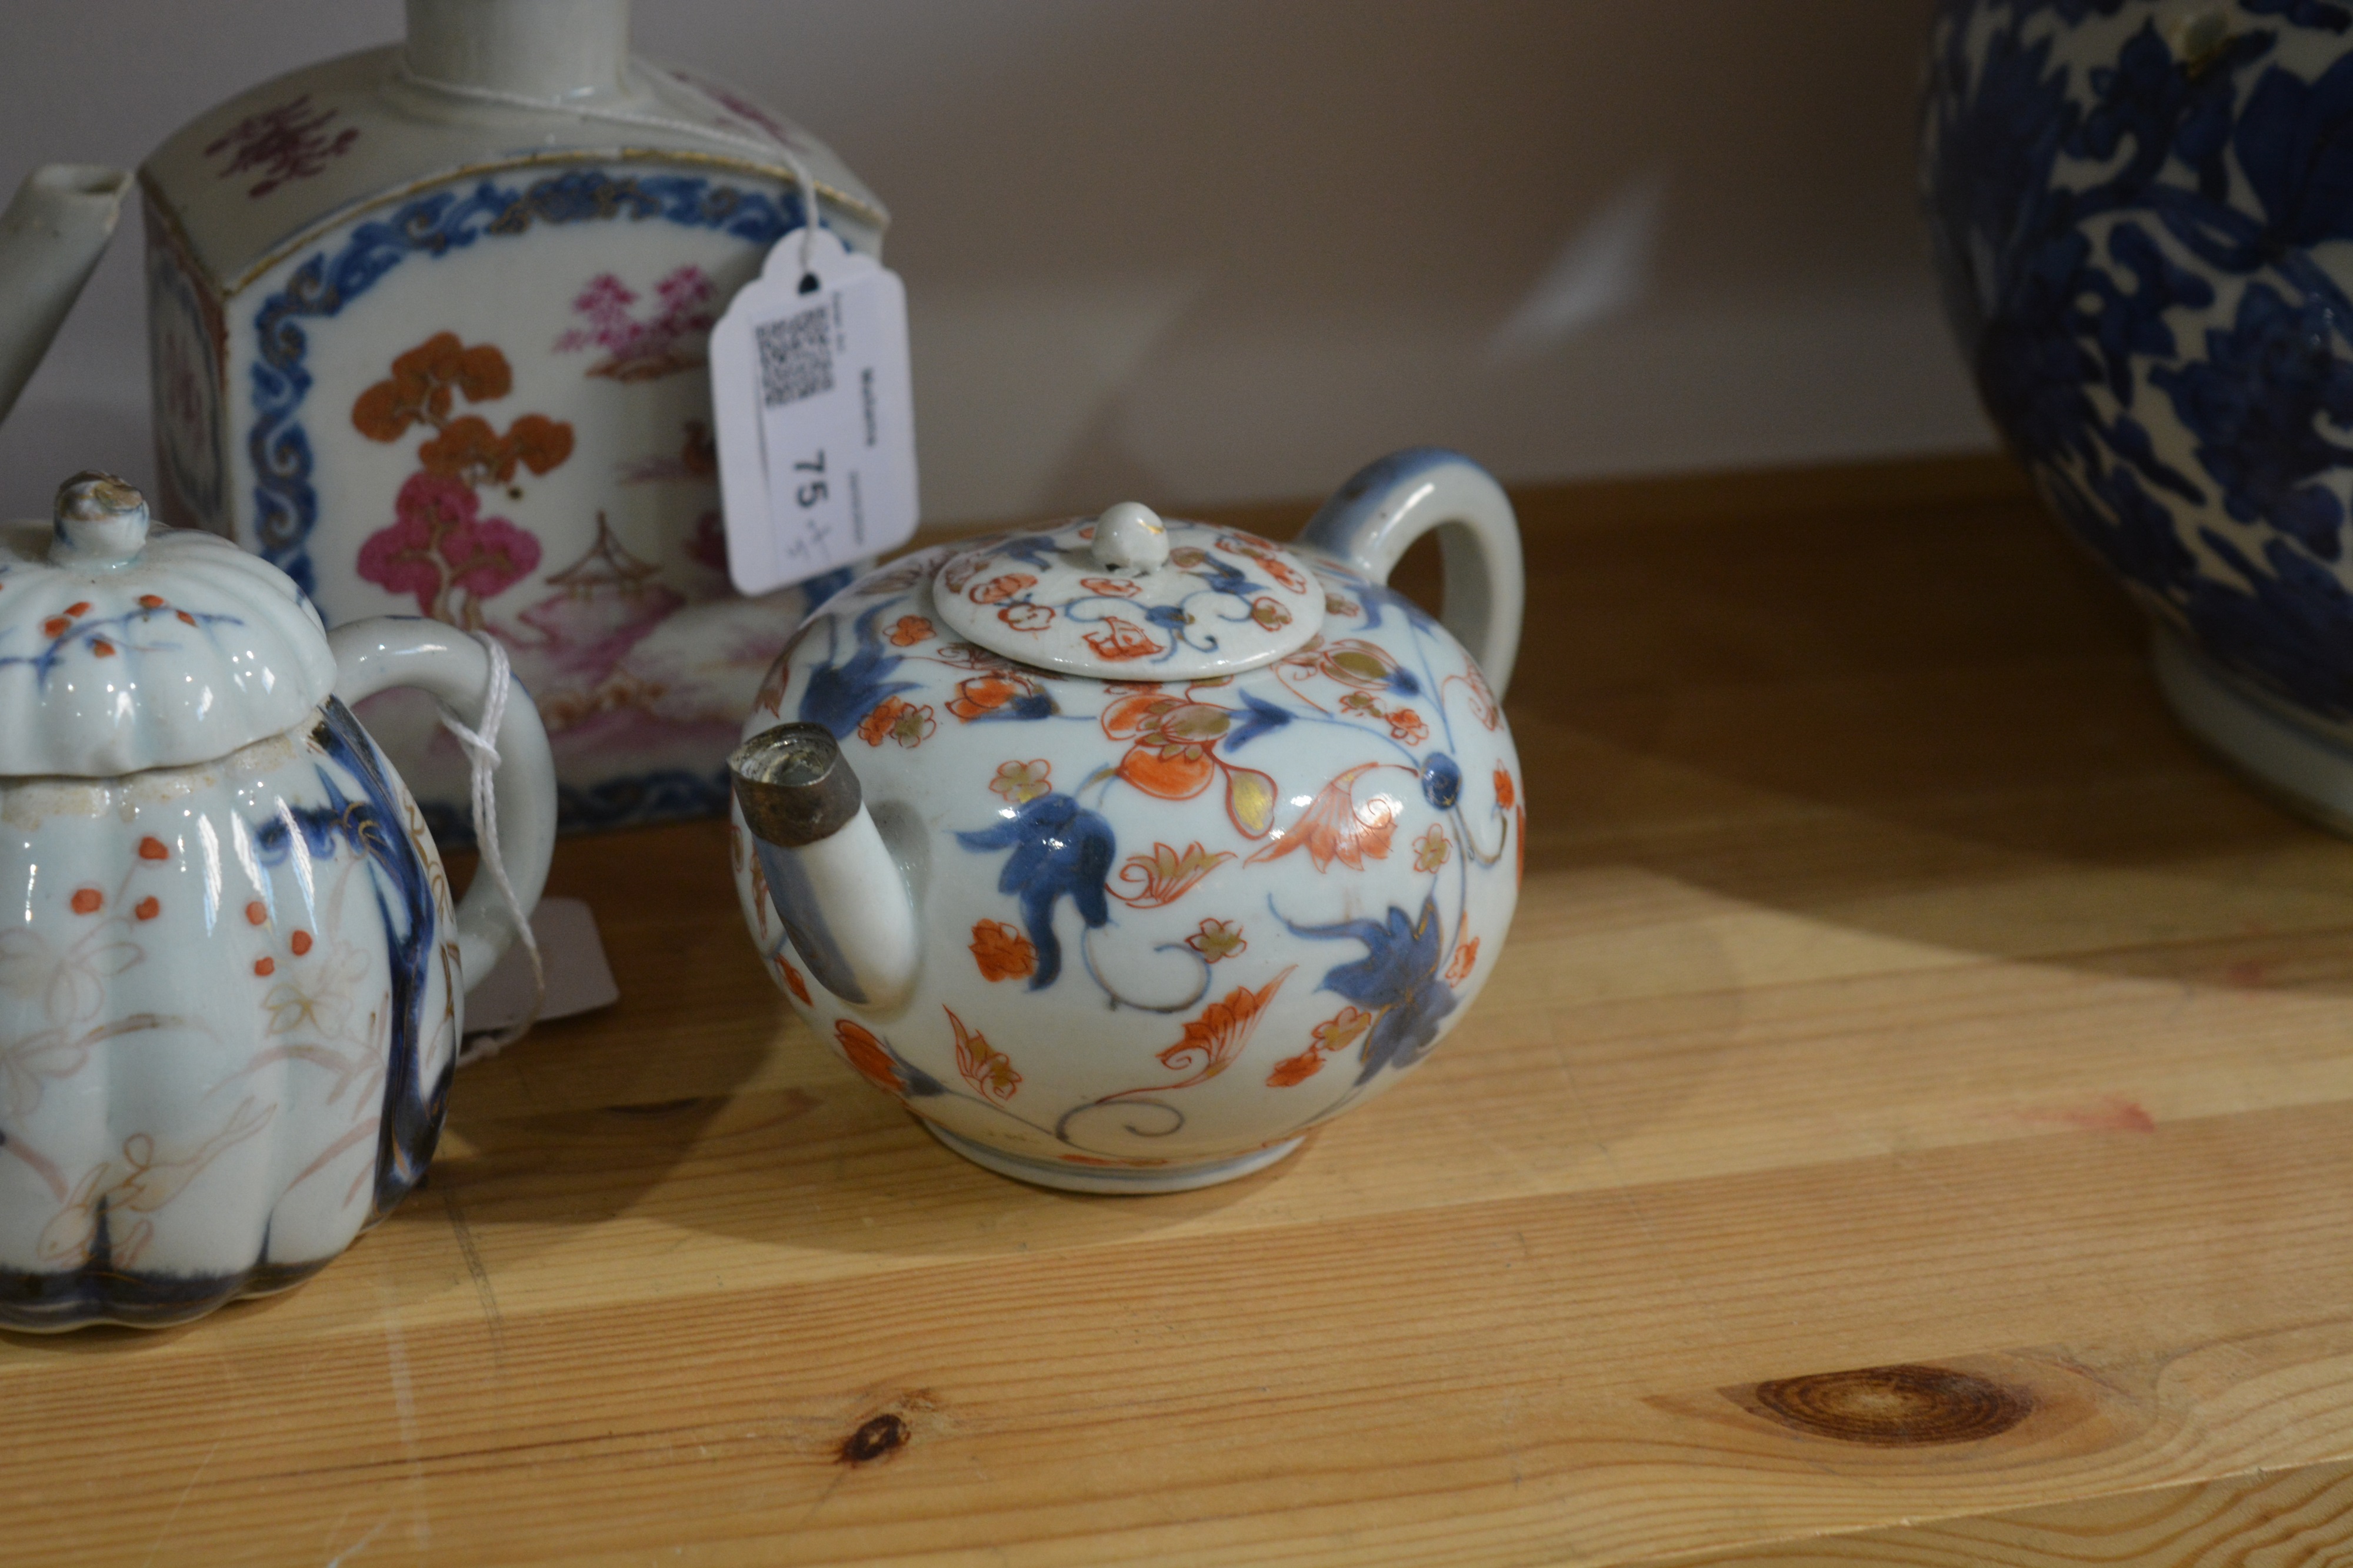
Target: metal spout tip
795 785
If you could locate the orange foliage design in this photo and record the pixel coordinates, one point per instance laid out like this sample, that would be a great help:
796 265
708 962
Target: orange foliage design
1002 951
425 382
1166 874
909 631
1465 958
793 980
469 450
1213 1040
1334 827
869 1054
983 1066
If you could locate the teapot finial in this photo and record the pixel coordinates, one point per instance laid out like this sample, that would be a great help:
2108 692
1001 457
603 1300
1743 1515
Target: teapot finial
100 520
1130 538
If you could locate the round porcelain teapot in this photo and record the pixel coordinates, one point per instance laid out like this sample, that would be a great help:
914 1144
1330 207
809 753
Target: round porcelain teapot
230 978
1125 851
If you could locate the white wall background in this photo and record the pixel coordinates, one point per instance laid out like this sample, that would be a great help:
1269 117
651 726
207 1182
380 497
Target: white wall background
1207 250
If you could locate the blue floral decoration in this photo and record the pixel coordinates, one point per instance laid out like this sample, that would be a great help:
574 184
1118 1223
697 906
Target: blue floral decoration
1059 849
2081 220
1396 978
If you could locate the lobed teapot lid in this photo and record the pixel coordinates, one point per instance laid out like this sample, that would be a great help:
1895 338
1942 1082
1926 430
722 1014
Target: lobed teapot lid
1128 596
122 649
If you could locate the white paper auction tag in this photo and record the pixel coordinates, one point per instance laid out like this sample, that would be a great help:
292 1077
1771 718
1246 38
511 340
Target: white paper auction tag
815 414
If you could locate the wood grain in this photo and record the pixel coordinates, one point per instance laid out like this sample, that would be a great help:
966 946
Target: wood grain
1909 1126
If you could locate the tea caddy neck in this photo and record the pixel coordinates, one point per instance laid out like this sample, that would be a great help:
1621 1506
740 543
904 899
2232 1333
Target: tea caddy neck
124 646
1130 595
564 51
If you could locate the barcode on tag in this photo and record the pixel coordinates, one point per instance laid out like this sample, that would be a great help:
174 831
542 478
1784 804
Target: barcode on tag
797 356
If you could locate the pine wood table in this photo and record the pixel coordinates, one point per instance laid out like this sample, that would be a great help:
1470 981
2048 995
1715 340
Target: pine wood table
1912 1123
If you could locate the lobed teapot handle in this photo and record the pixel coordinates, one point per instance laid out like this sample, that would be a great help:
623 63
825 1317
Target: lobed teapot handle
384 651
1370 521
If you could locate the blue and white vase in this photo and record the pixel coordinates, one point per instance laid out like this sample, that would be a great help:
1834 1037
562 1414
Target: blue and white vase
2143 217
427 327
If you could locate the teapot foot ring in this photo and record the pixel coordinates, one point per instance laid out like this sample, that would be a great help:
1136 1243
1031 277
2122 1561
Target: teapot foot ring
1111 1179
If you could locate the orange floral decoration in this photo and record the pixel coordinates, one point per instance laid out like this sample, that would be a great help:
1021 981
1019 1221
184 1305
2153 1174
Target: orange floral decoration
1296 1069
1330 1037
896 719
1334 827
793 980
1172 738
1218 939
909 631
1002 951
987 693
1122 639
869 1054
1465 958
999 589
1022 782
1505 795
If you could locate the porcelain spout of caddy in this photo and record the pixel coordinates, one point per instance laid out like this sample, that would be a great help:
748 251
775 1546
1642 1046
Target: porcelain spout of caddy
1124 851
230 975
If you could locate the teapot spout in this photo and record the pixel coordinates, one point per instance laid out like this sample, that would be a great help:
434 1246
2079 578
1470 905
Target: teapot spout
50 239
844 904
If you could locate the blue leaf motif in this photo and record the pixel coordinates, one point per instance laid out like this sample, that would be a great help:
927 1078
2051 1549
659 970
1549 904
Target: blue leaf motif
1260 717
839 696
2255 404
2295 142
1396 978
1059 847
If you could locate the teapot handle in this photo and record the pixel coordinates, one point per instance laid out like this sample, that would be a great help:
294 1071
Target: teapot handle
1390 503
384 651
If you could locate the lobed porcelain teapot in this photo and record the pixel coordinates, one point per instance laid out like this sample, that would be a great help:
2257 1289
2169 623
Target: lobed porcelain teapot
1125 851
230 977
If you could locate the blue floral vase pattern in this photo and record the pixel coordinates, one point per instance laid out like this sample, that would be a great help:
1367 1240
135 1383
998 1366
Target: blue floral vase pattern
2143 221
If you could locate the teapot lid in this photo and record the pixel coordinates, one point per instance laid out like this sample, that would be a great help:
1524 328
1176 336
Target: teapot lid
123 649
1130 596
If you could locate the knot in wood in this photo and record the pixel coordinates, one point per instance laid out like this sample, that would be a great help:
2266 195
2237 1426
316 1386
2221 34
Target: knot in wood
1894 1406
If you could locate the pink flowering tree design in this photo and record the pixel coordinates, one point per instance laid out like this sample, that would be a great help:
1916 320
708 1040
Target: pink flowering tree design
668 337
445 552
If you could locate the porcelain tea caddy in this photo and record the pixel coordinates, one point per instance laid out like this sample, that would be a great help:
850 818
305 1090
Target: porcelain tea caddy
428 330
230 977
1125 851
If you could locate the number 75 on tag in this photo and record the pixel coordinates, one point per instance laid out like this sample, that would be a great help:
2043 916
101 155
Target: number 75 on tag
815 418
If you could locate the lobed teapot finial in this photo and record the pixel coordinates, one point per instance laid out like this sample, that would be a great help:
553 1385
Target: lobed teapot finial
101 520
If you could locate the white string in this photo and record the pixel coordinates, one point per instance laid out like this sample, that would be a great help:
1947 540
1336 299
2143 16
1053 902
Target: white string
763 145
481 751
